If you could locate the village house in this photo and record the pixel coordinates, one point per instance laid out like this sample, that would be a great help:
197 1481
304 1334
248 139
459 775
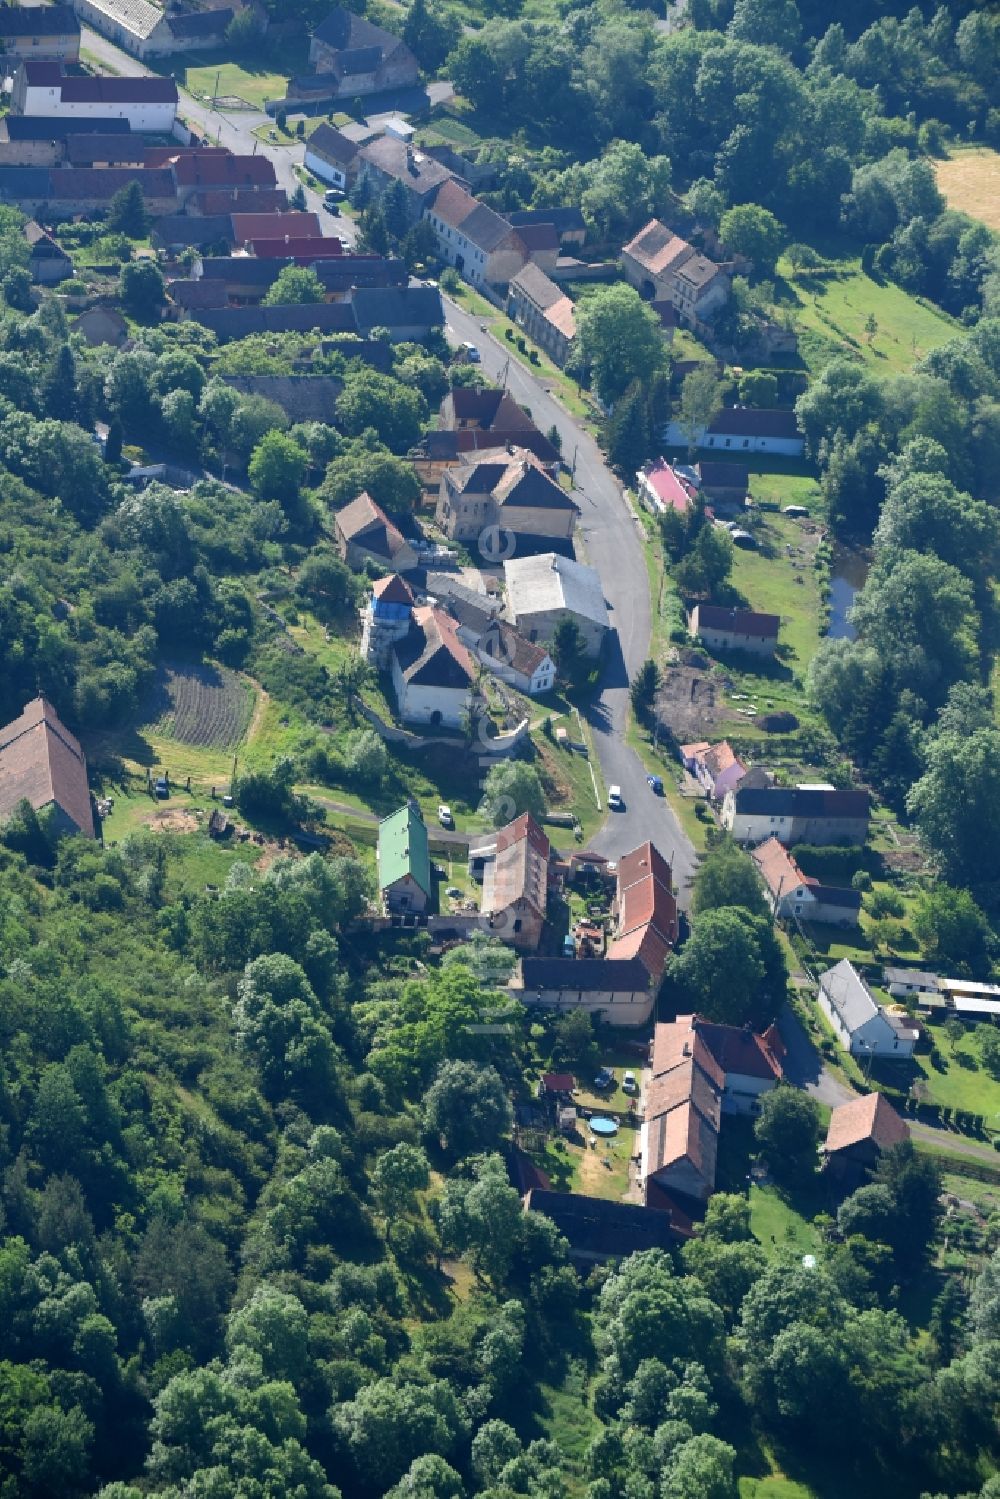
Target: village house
791 894
506 489
724 629
858 1134
331 156
408 313
743 429
245 281
698 1072
146 30
105 150
42 763
598 1230
665 268
716 767
364 533
355 58
862 1026
516 661
542 308
404 863
473 238
465 407
907 983
544 590
247 225
49 262
42 88
661 489
387 159
478 421
645 911
513 866
723 486
796 814
568 222
43 140
197 170
616 990
433 675
386 619
39 31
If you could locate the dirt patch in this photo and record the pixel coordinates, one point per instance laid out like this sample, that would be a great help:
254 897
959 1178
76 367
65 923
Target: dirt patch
173 820
690 704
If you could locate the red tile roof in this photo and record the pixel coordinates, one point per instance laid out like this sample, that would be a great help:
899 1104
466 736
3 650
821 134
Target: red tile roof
248 226
870 1118
209 169
738 1050
303 250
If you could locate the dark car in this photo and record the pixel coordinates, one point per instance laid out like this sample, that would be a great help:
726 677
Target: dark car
656 784
161 787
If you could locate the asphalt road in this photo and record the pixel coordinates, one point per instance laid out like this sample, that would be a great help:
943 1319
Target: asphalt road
612 546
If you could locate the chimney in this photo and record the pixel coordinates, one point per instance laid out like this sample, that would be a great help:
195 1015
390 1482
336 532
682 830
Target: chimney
687 1049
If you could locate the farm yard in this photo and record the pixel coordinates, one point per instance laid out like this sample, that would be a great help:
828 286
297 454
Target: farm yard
970 182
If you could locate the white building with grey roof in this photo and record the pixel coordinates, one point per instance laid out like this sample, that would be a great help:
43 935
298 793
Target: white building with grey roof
863 1026
542 591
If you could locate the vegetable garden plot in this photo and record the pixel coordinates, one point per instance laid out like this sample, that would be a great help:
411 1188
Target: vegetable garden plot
206 705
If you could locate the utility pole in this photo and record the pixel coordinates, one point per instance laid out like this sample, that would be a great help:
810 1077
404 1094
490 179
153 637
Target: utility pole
572 474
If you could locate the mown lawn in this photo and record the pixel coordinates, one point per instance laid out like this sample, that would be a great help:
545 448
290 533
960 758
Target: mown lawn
778 1226
780 578
965 1083
831 313
258 75
774 1487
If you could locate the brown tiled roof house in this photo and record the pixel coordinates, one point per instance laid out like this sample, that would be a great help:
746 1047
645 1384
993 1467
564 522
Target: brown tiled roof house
42 763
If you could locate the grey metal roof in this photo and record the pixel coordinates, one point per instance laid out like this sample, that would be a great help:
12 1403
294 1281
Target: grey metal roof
136 16
537 585
848 994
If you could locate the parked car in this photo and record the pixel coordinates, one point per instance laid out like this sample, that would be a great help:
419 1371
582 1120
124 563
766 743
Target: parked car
569 946
656 784
629 1083
334 195
444 816
472 354
161 786
604 1078
615 801
333 208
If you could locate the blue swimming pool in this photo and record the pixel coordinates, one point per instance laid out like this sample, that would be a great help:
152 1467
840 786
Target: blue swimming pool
604 1126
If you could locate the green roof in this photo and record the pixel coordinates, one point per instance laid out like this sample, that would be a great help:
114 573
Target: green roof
402 849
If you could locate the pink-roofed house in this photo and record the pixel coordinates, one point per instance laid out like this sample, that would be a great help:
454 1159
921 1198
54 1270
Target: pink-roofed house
716 767
661 489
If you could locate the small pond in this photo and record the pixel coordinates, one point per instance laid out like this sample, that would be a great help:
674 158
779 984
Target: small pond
847 576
